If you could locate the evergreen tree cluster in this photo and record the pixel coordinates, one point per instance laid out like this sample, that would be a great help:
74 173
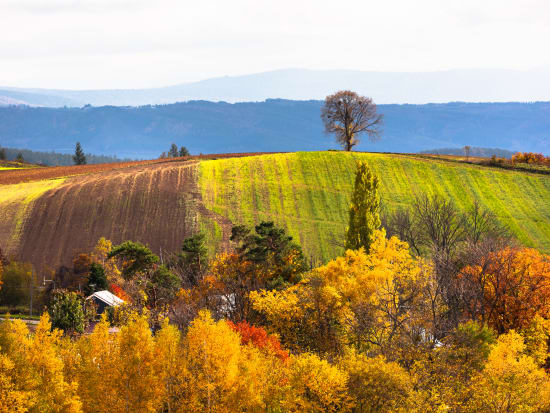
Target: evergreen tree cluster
174 152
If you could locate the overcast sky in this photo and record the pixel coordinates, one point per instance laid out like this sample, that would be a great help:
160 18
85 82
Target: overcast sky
90 44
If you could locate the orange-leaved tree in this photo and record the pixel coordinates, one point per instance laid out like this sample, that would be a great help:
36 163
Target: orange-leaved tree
508 288
258 337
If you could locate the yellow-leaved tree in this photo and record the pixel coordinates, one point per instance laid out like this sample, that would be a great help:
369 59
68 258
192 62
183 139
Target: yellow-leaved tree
100 255
375 384
212 354
359 299
120 372
169 356
511 381
12 399
35 369
315 385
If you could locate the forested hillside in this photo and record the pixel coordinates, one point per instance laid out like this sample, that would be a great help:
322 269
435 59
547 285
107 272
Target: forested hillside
273 125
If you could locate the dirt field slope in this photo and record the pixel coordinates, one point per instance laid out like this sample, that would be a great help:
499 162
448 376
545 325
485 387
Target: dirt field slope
155 204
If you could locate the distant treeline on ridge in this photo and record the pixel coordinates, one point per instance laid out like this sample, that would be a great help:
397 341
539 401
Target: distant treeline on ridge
474 151
57 159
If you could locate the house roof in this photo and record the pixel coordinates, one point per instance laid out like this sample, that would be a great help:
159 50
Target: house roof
107 297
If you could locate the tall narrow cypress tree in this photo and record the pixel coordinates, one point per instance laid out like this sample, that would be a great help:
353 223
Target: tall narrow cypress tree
364 211
79 158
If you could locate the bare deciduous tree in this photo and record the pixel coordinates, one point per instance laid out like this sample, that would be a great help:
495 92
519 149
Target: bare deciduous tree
467 149
347 115
482 223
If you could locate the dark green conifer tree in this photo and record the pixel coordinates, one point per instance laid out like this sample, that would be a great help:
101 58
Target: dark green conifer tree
97 280
184 151
79 158
173 152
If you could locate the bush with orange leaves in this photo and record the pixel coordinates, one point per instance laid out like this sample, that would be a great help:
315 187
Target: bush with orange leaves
508 288
119 292
258 337
531 158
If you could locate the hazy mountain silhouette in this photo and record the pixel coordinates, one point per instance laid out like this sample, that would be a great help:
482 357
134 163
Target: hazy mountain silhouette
476 85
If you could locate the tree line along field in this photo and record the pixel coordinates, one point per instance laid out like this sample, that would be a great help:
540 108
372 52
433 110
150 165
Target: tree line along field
48 221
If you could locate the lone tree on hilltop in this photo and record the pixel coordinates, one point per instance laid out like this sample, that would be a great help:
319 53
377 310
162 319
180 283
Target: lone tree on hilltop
79 158
19 158
467 150
2 154
364 211
347 115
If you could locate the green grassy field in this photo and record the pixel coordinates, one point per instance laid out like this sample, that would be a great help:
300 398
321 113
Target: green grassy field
308 193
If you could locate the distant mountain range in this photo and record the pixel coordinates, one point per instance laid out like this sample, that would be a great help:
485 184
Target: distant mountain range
476 85
273 125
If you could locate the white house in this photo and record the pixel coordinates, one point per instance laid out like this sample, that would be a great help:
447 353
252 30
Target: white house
104 299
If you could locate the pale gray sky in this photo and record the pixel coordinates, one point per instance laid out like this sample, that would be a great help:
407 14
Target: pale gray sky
90 44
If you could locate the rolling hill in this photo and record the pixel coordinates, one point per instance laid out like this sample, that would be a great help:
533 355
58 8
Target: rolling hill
270 126
48 221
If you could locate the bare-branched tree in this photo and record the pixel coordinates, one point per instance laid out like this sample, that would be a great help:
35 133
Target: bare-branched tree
347 115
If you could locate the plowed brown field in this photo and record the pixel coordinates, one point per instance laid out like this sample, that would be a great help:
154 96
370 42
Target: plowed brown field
158 204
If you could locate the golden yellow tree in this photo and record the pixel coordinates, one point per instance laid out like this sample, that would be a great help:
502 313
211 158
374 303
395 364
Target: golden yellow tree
98 369
359 299
511 381
316 386
100 255
12 400
536 337
375 384
38 367
212 355
169 357
138 380
442 376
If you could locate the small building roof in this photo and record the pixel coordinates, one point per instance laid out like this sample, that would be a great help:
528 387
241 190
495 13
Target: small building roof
107 297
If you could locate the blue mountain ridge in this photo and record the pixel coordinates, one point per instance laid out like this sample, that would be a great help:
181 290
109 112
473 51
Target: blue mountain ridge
271 125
